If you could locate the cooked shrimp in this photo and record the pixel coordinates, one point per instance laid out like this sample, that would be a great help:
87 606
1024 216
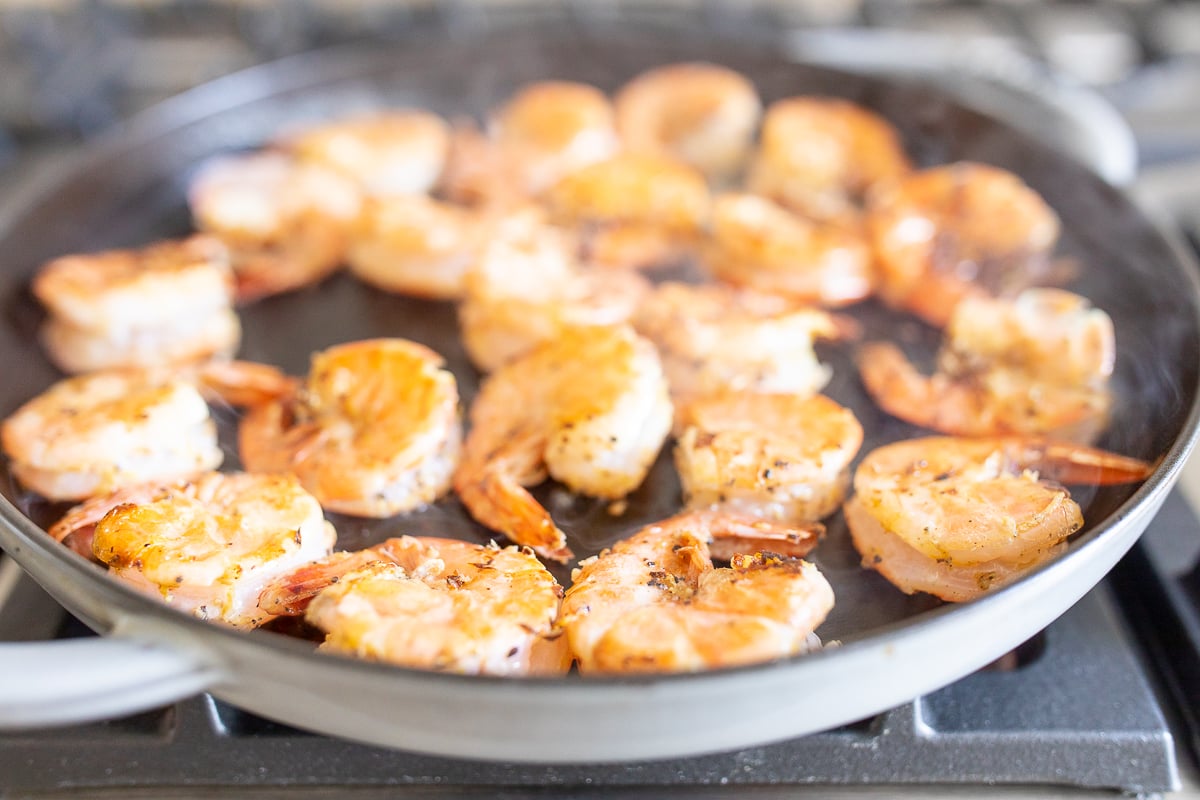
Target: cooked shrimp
416 246
820 156
1037 364
958 231
94 433
401 152
374 430
777 456
655 603
285 222
959 517
713 338
703 114
589 408
542 134
433 603
163 304
208 546
527 286
760 245
635 210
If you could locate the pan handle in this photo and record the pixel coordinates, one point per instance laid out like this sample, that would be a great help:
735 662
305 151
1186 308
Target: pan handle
81 680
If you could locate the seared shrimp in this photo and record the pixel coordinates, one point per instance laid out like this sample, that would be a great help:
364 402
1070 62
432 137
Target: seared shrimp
957 231
820 156
713 338
527 287
94 433
163 304
432 603
760 245
634 210
590 409
416 246
286 222
374 431
960 517
401 152
703 114
1038 364
777 456
209 546
655 603
542 134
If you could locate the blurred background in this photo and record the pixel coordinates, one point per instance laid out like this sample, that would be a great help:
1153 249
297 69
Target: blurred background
69 68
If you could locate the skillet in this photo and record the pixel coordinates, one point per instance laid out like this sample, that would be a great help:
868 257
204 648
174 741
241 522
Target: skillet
128 189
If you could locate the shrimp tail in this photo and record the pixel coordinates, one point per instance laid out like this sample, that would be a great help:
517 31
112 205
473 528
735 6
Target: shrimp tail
1078 464
929 401
731 534
290 595
243 383
496 500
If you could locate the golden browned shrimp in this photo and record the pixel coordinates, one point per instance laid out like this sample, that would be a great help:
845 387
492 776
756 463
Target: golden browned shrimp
209 546
374 431
634 210
527 286
167 303
655 603
400 152
543 133
760 245
713 338
958 231
94 433
1038 364
589 408
286 222
820 156
781 457
414 245
432 603
959 517
703 114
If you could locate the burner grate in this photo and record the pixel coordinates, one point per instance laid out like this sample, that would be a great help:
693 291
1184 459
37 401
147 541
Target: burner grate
1074 709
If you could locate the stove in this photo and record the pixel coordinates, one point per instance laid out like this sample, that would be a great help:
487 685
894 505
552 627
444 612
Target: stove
1106 700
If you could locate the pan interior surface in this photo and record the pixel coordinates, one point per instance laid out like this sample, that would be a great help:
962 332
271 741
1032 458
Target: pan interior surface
130 190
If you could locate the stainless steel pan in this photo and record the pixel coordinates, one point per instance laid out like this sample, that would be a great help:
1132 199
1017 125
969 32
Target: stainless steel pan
128 189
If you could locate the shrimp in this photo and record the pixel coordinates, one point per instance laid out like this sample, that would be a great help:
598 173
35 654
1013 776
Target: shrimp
760 245
713 338
961 517
1038 364
703 114
399 152
209 546
286 222
777 456
527 286
432 603
655 603
589 409
545 132
635 211
957 231
374 430
164 304
821 156
94 433
414 245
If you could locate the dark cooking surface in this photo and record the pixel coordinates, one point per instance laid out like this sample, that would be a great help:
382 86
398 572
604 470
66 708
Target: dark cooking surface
131 192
